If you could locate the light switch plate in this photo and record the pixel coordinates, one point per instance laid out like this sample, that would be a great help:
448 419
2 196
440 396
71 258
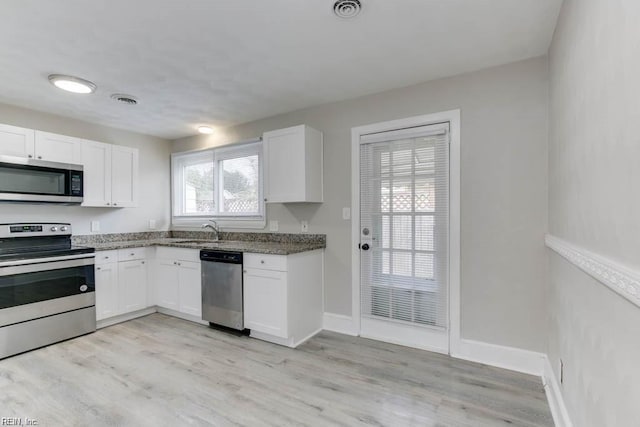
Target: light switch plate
304 226
273 225
346 213
95 226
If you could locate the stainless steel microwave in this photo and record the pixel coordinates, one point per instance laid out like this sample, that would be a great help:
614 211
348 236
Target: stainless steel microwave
38 181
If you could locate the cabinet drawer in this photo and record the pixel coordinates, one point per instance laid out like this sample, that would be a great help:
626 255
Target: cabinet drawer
131 254
106 257
266 262
181 254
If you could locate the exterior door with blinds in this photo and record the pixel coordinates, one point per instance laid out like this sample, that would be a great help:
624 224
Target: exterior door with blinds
404 236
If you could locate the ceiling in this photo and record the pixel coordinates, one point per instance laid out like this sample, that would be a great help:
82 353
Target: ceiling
224 62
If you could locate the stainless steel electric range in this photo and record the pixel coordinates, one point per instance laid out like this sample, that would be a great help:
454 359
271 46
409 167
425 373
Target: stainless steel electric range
47 287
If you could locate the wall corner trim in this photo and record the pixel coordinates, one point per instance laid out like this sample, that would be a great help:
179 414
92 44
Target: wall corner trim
554 396
511 358
620 279
339 323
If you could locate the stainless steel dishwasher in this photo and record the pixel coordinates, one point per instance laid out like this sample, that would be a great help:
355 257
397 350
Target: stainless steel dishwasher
222 288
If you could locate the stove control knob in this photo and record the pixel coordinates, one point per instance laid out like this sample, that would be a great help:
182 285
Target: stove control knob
54 228
64 228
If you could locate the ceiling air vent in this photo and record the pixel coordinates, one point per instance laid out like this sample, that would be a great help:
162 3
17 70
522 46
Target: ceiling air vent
125 99
347 9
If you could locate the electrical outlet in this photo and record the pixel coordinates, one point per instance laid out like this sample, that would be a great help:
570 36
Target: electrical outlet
152 224
273 226
95 226
304 226
346 213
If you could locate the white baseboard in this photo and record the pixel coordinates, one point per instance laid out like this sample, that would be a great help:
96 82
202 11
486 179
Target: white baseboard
179 315
339 323
514 359
124 317
554 396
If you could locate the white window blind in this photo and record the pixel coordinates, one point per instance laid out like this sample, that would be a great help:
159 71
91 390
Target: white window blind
404 199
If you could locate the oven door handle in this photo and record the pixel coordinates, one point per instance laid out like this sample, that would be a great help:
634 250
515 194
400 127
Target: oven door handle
48 265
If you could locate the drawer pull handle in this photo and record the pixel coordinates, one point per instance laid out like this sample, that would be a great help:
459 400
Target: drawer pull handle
97 268
261 261
106 257
132 254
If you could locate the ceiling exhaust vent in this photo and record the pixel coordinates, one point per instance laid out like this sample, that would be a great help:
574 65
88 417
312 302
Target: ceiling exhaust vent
125 99
347 9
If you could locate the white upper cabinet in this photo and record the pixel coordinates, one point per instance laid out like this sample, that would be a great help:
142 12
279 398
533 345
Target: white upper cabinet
293 165
110 175
58 148
18 142
96 159
124 176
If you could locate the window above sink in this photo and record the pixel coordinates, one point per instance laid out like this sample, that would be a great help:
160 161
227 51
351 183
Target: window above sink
224 184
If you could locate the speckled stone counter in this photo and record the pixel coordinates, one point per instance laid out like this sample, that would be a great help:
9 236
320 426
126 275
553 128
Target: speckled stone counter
264 243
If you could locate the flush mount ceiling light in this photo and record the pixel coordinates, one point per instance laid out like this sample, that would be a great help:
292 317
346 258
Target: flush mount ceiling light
347 9
72 84
207 130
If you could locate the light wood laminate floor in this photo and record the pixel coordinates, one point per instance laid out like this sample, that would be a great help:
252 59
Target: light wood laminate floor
162 371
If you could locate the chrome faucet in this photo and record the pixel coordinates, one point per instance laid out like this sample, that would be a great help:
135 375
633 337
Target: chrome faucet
214 227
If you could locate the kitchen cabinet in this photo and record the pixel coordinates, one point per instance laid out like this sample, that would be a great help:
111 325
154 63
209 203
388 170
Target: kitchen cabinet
293 165
166 284
106 290
121 282
35 144
16 141
110 175
283 300
265 301
57 148
178 280
132 286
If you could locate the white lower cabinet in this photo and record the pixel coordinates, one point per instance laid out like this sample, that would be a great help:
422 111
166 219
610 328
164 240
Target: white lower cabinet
166 283
178 280
265 301
121 282
283 296
132 289
106 290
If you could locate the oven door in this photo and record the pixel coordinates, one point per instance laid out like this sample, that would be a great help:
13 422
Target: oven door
26 180
32 290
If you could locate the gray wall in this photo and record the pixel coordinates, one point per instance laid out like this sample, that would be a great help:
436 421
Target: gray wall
504 191
593 202
154 177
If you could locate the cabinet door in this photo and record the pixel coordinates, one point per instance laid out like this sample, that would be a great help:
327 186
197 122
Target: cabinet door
96 158
166 284
15 141
124 176
190 288
132 286
106 290
58 148
265 301
285 165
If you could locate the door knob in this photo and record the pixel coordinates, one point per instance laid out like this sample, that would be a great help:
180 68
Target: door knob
365 247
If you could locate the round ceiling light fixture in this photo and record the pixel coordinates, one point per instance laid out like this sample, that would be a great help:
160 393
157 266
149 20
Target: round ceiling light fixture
207 130
125 99
72 84
347 9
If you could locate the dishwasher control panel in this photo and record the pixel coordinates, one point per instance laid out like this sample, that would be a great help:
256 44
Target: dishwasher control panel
221 256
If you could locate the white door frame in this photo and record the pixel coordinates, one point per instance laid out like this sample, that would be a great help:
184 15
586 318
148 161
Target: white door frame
453 118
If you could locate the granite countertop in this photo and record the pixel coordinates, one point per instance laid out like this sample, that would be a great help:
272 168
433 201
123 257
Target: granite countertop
261 247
